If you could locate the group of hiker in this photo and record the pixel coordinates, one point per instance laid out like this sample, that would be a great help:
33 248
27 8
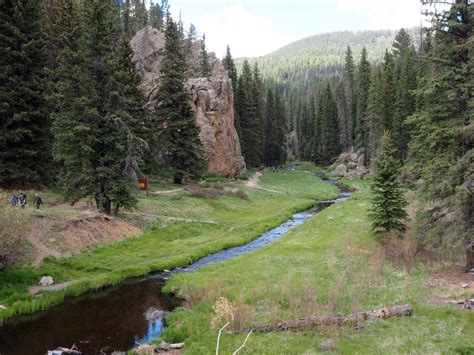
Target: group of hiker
20 201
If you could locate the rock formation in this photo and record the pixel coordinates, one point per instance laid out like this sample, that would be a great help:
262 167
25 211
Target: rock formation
350 165
213 100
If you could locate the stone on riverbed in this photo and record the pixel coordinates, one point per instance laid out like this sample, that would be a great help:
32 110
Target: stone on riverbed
153 314
46 281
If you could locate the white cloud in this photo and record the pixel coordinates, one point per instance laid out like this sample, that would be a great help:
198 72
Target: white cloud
384 14
247 34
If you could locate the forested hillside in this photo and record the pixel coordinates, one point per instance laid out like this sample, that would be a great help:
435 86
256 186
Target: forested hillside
360 85
303 64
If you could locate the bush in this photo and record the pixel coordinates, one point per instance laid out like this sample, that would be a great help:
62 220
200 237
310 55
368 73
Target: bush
12 239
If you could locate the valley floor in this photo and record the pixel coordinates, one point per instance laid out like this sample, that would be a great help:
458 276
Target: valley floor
331 265
186 225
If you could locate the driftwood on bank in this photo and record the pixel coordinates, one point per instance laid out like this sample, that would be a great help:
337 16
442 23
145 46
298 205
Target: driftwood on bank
323 321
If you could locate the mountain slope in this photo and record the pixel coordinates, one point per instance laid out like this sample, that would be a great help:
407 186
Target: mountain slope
304 63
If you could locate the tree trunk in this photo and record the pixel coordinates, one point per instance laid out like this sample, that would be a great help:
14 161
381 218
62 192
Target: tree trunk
322 321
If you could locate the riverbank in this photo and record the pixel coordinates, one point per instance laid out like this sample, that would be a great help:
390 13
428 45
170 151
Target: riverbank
179 240
330 265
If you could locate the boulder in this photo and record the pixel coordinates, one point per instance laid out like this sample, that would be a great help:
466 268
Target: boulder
340 171
46 281
351 175
361 172
353 157
153 314
212 99
351 165
361 160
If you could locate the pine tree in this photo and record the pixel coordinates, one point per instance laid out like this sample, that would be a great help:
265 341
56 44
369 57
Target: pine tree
204 60
363 85
98 108
75 120
281 129
155 15
348 115
174 121
404 99
138 16
259 109
388 204
24 126
269 144
388 93
249 120
329 135
441 148
229 65
375 124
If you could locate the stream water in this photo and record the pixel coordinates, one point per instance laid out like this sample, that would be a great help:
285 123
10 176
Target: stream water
114 319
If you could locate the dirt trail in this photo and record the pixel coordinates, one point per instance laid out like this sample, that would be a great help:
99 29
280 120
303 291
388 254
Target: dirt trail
254 181
56 287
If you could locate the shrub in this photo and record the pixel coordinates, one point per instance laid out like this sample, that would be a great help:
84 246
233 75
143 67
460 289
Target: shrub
12 236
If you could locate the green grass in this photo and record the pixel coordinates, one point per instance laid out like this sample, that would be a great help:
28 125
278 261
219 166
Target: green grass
330 265
167 245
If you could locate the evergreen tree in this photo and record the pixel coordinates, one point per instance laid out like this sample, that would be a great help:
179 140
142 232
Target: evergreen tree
329 135
204 60
347 116
249 121
138 16
269 145
155 15
280 128
75 120
174 121
229 65
24 137
363 85
388 93
375 113
259 115
192 32
441 148
98 108
404 99
388 204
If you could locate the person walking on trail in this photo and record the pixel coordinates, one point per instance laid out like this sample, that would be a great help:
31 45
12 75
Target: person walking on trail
38 201
14 201
22 200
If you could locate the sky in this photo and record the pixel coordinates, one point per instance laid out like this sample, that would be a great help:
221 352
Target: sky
258 27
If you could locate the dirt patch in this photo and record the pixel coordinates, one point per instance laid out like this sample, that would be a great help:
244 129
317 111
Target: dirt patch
56 287
62 237
254 181
451 285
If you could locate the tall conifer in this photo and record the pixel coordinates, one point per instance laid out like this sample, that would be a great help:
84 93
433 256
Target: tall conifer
174 121
388 204
24 133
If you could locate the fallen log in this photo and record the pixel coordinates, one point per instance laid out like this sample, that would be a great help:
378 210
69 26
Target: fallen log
323 321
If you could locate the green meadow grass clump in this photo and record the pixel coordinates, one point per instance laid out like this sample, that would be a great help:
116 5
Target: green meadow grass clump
328 266
166 245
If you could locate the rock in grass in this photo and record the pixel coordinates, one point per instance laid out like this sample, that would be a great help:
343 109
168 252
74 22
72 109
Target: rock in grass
46 281
2 307
340 171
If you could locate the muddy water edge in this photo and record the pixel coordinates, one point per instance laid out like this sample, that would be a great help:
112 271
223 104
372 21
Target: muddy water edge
115 318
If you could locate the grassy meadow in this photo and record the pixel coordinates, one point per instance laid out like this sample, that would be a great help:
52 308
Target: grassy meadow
330 265
235 220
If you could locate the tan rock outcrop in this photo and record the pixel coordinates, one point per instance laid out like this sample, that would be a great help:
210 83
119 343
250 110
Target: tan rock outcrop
213 100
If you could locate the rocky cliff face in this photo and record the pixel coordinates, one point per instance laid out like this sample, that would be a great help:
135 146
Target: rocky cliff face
213 100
